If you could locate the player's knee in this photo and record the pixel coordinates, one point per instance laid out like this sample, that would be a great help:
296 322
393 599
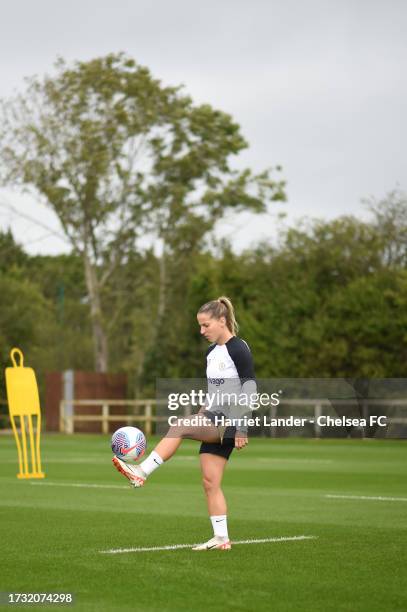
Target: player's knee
210 484
186 431
175 431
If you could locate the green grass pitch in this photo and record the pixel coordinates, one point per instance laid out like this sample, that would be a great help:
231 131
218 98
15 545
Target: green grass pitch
52 533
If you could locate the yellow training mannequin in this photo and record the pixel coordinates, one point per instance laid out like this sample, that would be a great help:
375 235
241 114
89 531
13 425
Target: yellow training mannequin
23 402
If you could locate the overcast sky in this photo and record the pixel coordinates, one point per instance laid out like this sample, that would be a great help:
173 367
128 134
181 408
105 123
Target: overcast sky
317 86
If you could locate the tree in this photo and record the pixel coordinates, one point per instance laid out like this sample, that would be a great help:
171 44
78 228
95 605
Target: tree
361 329
390 222
326 302
25 320
11 253
44 309
60 278
116 154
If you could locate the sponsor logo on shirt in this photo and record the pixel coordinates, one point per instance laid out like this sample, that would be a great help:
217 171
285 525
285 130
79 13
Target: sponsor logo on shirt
216 381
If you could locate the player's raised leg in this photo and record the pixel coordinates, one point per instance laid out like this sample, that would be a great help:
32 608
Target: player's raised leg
165 449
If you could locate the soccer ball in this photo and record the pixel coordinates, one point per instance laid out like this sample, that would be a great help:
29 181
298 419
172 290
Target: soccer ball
129 443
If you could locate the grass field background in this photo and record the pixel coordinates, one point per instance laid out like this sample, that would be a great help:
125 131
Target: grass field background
52 533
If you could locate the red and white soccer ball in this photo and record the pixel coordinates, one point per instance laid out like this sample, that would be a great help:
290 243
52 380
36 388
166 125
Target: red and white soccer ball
129 443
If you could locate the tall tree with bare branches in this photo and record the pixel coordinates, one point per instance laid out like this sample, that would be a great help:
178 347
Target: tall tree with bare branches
117 155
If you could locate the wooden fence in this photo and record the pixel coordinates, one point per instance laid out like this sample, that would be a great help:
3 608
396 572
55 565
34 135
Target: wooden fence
143 412
146 418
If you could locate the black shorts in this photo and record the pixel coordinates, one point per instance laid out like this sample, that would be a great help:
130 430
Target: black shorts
224 448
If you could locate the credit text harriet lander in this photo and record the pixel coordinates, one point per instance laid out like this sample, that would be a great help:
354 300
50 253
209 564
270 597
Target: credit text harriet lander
199 420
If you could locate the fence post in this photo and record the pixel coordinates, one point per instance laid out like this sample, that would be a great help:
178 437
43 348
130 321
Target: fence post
62 416
105 418
365 415
70 423
149 419
317 414
273 415
68 419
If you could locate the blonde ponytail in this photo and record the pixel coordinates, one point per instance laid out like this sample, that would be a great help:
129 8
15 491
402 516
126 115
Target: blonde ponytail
222 307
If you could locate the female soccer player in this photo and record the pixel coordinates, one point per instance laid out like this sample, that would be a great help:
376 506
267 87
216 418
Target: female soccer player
229 369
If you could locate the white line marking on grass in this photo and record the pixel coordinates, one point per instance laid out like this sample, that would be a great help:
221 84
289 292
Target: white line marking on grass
284 460
115 551
81 485
371 498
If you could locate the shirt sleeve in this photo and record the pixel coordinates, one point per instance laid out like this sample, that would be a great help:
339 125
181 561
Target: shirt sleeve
241 355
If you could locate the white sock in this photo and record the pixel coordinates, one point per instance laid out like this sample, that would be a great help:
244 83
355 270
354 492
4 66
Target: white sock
152 462
220 525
